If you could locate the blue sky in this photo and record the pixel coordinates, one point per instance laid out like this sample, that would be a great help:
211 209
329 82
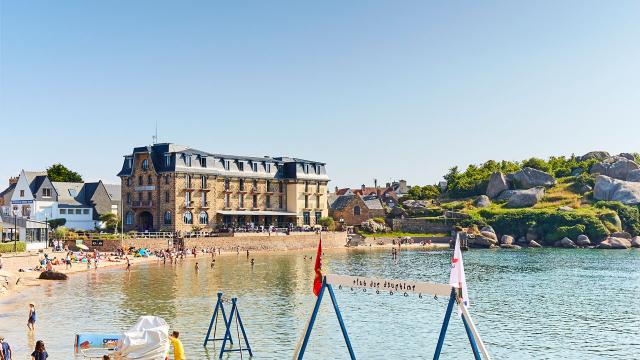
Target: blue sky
377 89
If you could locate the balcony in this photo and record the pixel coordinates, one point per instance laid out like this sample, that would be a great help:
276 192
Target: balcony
142 204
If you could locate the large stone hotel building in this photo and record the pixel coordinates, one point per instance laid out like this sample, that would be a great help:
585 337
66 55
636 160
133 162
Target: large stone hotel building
168 187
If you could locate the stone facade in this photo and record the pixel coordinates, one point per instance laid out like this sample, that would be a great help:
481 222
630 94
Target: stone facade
355 211
203 199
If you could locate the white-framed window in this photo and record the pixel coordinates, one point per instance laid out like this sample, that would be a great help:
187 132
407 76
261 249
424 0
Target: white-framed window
167 160
227 200
78 211
187 218
63 211
128 181
255 166
267 167
85 211
255 201
203 161
21 193
187 198
240 166
187 181
129 162
226 164
187 159
226 184
145 164
356 210
128 219
167 218
317 169
204 218
46 192
203 181
241 200
306 168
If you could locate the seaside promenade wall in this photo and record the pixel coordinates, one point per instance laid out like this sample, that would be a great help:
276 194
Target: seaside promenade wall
245 241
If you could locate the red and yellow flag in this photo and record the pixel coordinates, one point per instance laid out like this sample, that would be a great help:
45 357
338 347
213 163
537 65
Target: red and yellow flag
317 282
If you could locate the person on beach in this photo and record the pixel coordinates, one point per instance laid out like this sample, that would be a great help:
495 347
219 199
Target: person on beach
247 254
197 267
128 264
5 350
40 353
178 349
31 321
67 261
106 357
252 262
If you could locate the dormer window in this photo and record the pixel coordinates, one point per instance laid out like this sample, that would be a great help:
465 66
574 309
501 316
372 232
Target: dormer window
267 167
187 159
255 166
167 160
145 164
203 161
317 169
226 164
306 168
240 166
129 163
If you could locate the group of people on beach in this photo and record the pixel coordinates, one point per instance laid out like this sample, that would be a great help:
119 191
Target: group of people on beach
39 353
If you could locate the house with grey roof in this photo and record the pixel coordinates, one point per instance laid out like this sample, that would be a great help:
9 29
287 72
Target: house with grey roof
352 210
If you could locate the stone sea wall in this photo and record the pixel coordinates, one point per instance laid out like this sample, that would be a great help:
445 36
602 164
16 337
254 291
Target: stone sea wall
421 226
245 242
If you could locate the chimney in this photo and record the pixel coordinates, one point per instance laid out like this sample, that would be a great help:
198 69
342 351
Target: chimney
336 189
375 183
362 188
13 180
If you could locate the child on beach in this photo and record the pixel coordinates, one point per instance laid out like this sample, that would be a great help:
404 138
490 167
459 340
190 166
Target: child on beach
31 321
40 353
5 350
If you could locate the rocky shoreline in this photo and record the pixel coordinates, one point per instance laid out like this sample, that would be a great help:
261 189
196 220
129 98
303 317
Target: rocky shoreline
487 238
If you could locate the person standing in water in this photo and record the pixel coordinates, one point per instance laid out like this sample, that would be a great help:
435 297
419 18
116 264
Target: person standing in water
40 353
5 350
128 264
197 267
178 349
31 321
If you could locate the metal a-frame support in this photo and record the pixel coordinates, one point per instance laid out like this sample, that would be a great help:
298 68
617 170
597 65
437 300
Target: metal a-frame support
213 325
227 334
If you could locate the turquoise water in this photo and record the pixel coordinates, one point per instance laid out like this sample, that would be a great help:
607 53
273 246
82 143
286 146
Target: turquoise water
528 304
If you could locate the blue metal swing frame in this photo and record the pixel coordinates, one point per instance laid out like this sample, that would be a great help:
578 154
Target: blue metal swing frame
219 308
453 298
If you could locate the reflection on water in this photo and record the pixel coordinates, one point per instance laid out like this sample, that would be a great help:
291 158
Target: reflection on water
533 304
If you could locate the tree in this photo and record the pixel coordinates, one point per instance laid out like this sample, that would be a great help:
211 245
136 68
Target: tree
55 223
110 221
59 172
327 222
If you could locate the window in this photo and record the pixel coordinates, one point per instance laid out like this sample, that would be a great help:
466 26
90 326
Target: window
128 181
254 165
204 218
255 219
187 181
63 211
241 201
203 161
140 180
167 160
255 201
129 162
129 198
318 188
268 186
356 210
318 216
240 166
204 199
267 167
167 196
187 159
306 201
227 200
267 201
149 180
203 181
306 186
187 218
318 168
306 218
317 201
226 184
128 219
306 168
149 196
226 164
145 164
22 193
187 199
241 184
226 219
281 201
166 179
46 192
167 218
78 211
281 186
85 211
255 185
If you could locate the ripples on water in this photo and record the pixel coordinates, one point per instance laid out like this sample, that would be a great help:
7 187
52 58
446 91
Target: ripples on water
530 304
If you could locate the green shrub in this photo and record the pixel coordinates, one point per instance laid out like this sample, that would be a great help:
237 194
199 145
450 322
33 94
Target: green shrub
328 223
56 223
629 215
379 220
570 232
8 247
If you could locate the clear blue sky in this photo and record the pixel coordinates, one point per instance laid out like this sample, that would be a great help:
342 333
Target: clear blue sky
376 89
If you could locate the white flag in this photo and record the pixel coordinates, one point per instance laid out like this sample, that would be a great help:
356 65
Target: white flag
457 279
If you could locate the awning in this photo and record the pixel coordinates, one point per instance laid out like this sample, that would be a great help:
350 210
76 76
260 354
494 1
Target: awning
256 212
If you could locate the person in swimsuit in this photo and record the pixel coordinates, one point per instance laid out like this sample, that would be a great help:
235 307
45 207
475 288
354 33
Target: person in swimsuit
5 350
31 322
40 353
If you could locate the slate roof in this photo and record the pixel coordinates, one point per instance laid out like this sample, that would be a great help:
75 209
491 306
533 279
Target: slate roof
114 191
8 189
342 201
372 202
71 194
35 179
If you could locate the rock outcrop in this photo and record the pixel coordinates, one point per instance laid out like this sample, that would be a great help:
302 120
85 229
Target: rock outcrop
528 178
565 243
610 189
497 184
52 275
506 240
583 240
525 198
615 167
635 242
482 201
598 155
621 234
634 175
614 243
534 244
